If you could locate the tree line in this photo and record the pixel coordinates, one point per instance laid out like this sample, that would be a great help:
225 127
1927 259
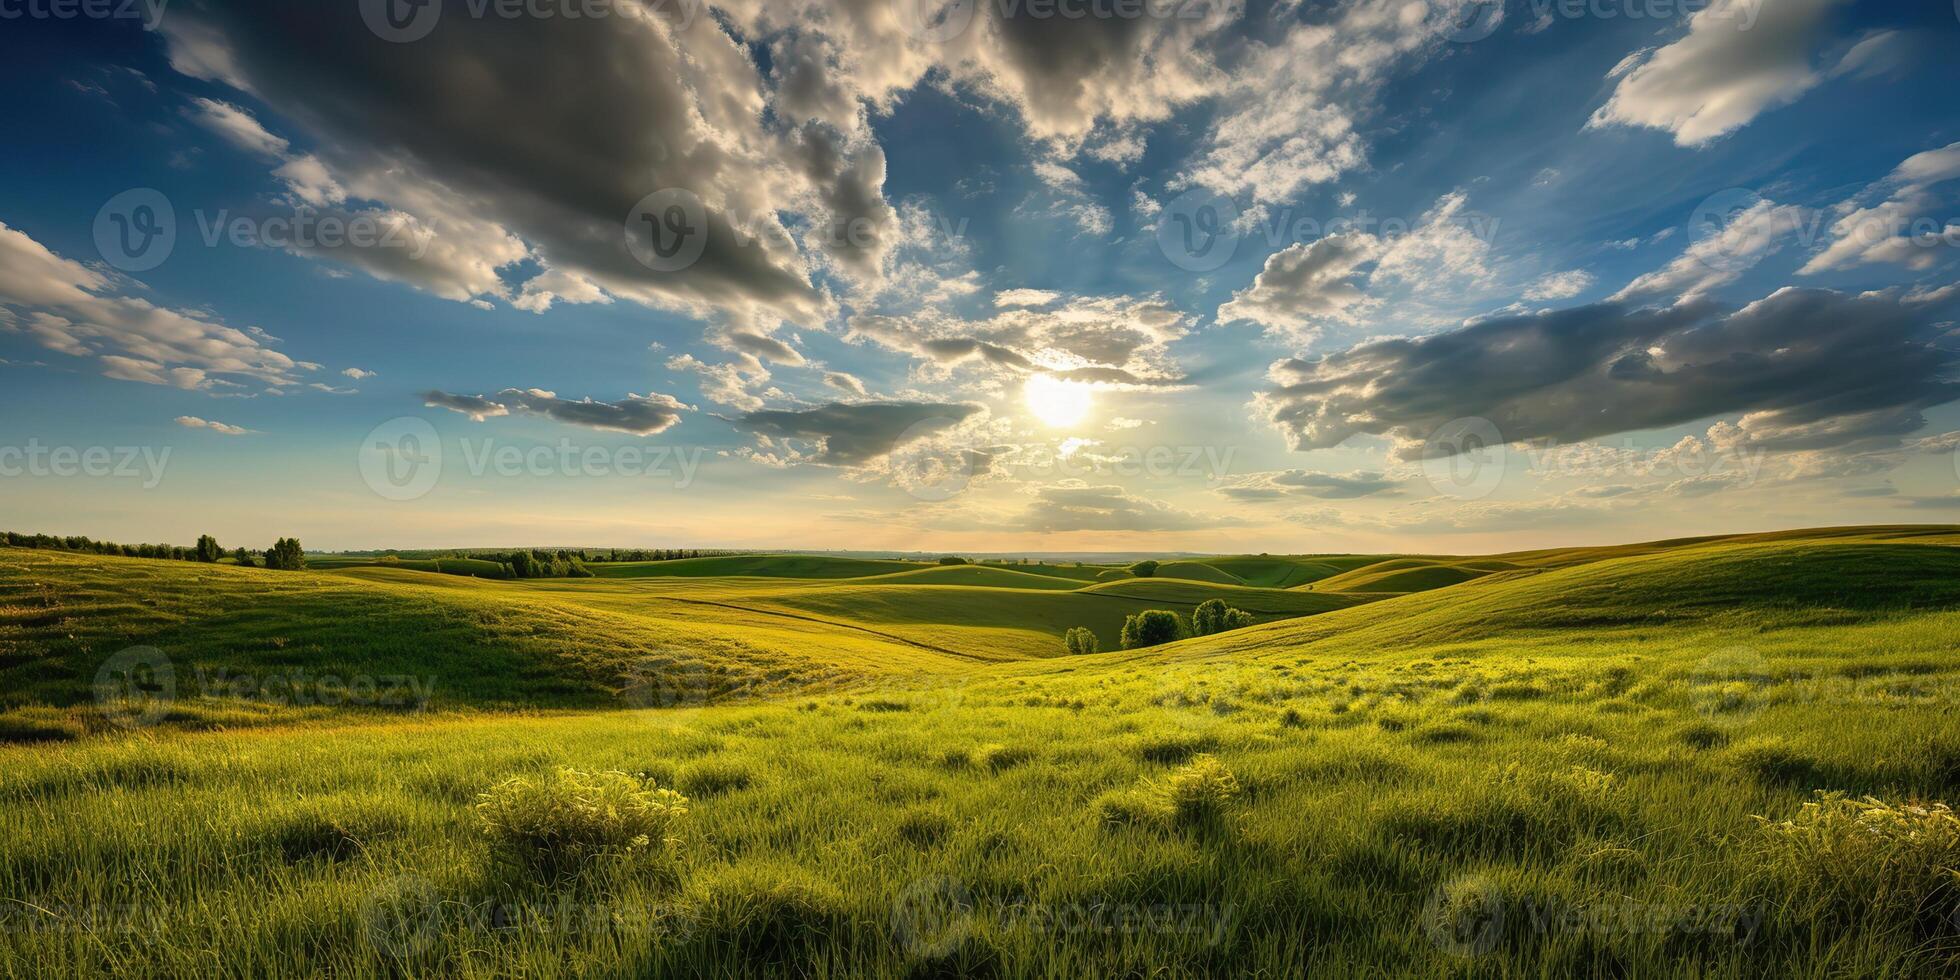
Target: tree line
1158 626
284 555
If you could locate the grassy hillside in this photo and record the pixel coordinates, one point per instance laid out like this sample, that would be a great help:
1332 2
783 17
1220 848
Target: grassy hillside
1276 572
762 566
1607 766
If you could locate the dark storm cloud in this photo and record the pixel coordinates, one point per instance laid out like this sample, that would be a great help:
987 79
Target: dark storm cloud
461 125
640 415
852 435
1806 368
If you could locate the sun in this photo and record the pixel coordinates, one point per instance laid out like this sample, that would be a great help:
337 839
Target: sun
1059 404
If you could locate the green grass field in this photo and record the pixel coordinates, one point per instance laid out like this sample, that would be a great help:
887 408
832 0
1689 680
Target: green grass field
1601 761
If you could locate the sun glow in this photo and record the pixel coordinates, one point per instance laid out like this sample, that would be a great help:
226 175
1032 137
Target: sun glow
1058 404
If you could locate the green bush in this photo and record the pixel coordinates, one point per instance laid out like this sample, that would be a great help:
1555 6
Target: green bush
1866 858
1195 795
952 560
1214 616
561 823
1144 569
1150 628
1080 639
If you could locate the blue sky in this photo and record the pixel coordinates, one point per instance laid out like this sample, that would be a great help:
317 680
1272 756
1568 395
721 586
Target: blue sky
942 299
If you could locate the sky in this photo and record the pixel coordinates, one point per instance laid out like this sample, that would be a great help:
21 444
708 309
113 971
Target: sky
1448 276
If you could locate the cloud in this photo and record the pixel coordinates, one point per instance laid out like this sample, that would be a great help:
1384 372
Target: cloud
1745 238
193 422
1739 58
1559 285
1025 297
1899 229
1120 340
845 382
452 133
1308 483
854 434
357 374
1303 284
1306 286
1073 505
67 307
640 415
1806 368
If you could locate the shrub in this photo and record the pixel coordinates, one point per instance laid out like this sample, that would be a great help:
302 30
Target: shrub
561 823
1150 628
1144 569
1866 857
998 757
712 777
286 555
953 560
1214 616
1195 795
1080 639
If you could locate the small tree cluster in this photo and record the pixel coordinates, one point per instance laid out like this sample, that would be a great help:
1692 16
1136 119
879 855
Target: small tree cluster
1214 616
1080 639
953 560
543 564
1150 628
285 555
1144 569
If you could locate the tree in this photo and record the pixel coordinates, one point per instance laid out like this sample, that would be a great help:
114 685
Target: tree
1214 616
952 560
286 555
208 550
1080 639
1150 628
1144 569
243 558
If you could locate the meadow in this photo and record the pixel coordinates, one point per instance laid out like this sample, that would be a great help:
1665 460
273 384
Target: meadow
1709 757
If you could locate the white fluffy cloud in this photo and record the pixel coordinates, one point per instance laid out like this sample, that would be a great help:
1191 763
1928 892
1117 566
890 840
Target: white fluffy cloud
1739 58
1901 229
71 308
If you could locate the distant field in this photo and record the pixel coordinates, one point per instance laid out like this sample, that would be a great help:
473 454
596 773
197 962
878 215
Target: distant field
1561 763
